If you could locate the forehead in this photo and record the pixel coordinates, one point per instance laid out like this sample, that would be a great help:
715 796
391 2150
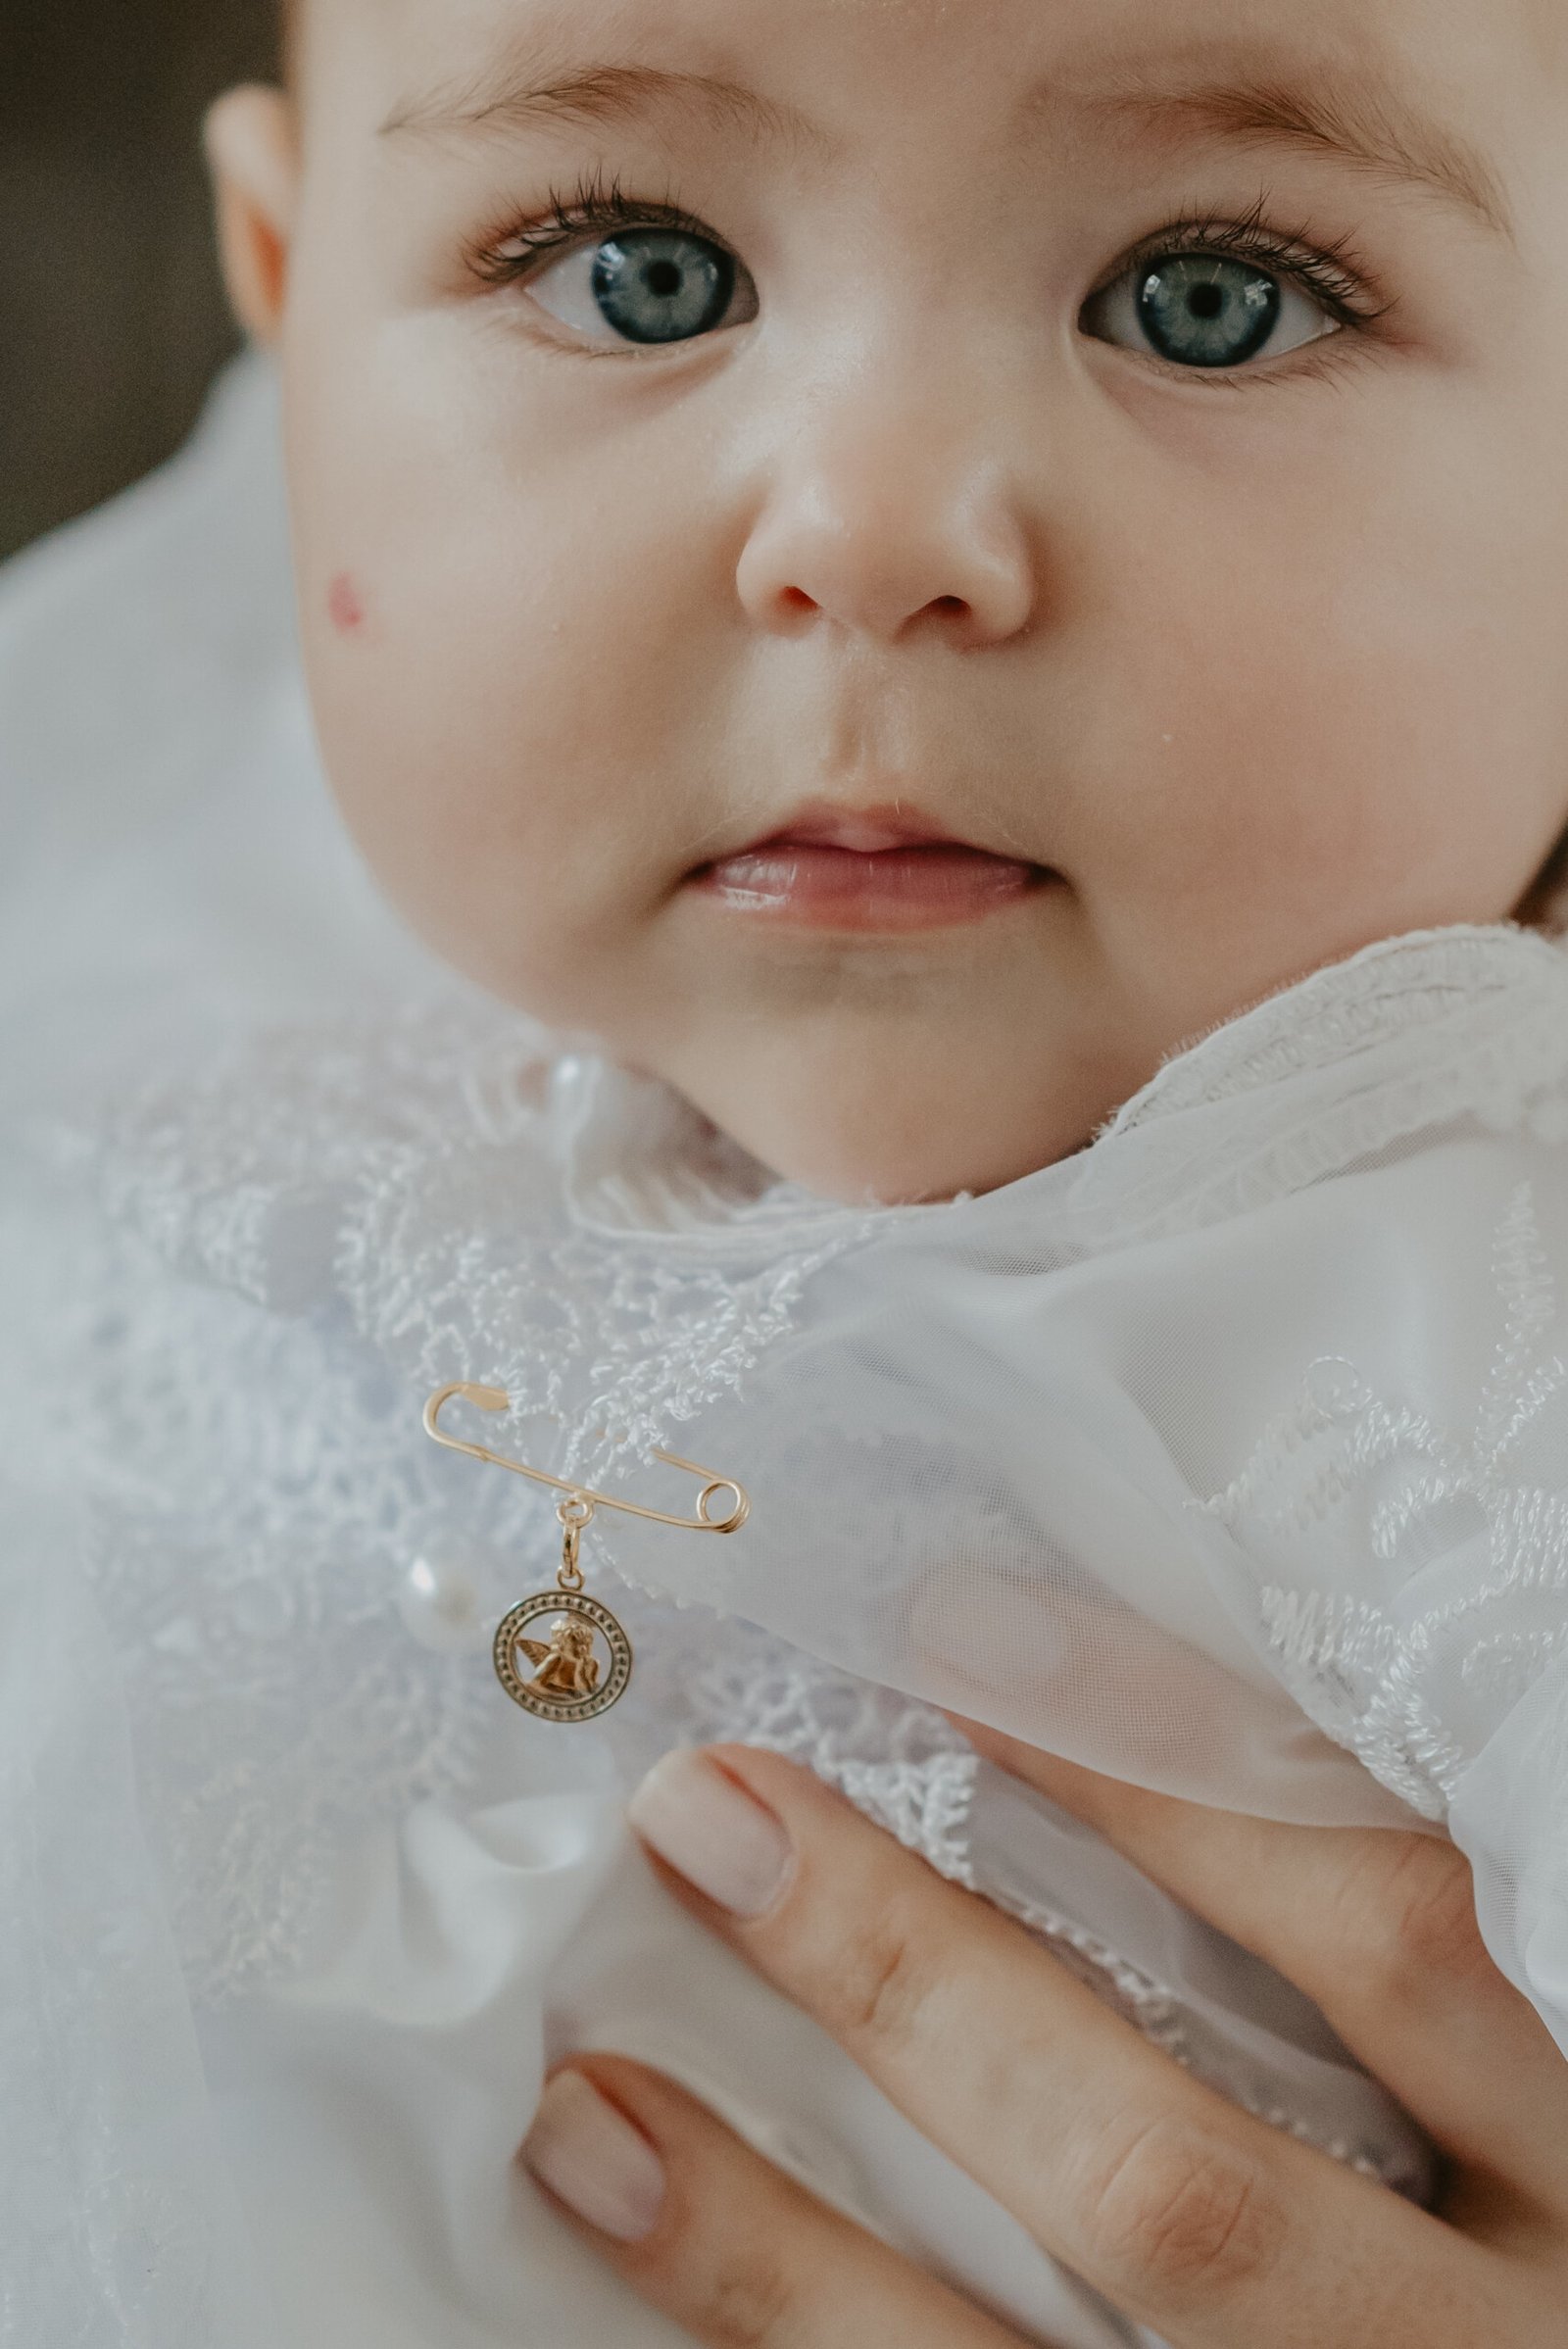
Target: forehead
1432 95
978 54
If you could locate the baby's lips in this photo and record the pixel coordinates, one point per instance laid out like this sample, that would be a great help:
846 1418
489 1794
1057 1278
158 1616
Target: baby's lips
884 889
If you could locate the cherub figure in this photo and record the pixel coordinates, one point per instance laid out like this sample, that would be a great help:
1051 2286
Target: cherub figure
567 1665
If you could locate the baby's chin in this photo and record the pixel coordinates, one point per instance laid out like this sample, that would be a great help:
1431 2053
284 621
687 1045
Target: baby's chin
861 1138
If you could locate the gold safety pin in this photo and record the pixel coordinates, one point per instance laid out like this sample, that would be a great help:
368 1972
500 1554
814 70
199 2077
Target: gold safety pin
496 1398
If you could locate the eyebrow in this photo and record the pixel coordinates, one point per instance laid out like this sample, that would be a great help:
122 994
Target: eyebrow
1359 122
508 98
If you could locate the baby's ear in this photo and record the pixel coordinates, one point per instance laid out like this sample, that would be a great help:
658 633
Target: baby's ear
252 151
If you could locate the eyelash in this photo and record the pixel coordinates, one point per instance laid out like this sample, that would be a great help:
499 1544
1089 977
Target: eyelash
594 204
1334 274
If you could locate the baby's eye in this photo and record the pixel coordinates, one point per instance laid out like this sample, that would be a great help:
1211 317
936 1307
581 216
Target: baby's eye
1206 310
644 285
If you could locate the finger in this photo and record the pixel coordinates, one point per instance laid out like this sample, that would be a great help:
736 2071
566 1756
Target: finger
1185 2211
1379 1928
719 2240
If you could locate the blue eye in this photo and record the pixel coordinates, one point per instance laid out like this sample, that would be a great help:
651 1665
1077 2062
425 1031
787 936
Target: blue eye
1205 310
1208 314
655 285
644 285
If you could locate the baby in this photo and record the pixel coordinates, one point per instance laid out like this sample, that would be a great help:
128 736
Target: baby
1028 547
963 608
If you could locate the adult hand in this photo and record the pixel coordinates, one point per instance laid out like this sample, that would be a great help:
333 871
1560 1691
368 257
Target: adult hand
1191 2216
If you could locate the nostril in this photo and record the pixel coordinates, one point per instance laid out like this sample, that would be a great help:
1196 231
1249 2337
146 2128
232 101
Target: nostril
949 603
796 599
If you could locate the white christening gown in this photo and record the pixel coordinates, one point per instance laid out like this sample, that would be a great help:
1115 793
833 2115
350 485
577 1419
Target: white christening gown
1231 1455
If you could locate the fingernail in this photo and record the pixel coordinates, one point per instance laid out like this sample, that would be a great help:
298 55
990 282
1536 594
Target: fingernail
709 1830
590 2156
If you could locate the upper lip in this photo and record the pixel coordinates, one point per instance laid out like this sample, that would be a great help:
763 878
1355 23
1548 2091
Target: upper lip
870 831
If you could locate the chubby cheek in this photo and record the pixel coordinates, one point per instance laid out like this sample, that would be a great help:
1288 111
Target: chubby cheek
508 723
1327 753
454 786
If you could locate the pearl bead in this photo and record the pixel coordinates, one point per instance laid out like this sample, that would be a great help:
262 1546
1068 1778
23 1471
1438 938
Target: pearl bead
440 1605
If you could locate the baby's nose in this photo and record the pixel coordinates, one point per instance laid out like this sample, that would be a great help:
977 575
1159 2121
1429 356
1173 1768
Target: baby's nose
887 530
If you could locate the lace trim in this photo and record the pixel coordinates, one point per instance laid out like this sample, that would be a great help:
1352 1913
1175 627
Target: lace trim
240 1174
1415 1032
462 1267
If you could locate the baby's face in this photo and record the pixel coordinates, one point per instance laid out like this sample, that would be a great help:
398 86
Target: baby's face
1125 440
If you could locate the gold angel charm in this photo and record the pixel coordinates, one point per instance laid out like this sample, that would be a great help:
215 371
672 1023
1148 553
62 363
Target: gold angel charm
582 1665
569 1683
566 1664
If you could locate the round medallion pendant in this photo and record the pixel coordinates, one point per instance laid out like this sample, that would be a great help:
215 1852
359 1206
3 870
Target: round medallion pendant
577 1670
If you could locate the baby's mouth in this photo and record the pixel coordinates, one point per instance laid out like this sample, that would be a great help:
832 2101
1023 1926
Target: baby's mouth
867 869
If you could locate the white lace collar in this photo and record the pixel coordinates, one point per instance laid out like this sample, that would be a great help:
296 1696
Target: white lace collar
489 1209
1406 1033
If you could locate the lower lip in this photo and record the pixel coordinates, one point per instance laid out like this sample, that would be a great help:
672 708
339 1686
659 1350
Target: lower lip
916 888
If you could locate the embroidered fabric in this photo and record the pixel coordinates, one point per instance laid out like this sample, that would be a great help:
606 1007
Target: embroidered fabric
248 1558
1470 1561
371 1213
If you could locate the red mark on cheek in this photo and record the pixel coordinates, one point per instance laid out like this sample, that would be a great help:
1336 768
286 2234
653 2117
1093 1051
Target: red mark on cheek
345 606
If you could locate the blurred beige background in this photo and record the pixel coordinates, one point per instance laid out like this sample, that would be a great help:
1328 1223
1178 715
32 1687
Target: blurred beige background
111 320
